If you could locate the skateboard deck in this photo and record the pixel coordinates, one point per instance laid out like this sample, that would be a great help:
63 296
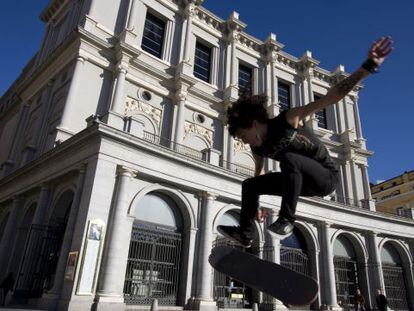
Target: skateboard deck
290 287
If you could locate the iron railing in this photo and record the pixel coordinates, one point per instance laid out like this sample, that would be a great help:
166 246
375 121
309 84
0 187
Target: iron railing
347 281
395 287
153 267
39 261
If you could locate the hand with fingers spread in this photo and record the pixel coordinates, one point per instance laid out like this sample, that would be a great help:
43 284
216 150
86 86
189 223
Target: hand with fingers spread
379 50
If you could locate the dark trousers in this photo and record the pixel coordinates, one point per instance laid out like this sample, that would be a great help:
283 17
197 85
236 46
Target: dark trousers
299 176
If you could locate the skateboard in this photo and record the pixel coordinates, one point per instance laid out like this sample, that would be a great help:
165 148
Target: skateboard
290 287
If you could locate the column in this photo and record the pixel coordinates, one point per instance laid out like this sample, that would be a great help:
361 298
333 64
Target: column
215 66
132 18
9 231
357 119
274 255
355 196
69 108
118 101
189 12
12 158
168 41
369 202
374 262
118 236
230 150
42 205
67 239
31 148
205 272
328 269
179 127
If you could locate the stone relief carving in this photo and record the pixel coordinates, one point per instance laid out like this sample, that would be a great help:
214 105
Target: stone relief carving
135 105
192 128
240 146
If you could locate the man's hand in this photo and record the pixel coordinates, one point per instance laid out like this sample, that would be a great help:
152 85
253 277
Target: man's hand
380 49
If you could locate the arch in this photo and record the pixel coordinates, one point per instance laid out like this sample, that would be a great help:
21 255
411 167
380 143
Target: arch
401 248
149 123
196 141
356 241
61 207
231 207
309 235
177 196
22 235
156 207
244 158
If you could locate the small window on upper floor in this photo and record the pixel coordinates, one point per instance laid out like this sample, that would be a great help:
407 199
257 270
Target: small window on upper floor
153 36
202 62
245 80
283 93
321 114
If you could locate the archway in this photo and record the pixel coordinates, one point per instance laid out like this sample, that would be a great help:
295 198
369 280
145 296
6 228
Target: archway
394 278
347 278
155 252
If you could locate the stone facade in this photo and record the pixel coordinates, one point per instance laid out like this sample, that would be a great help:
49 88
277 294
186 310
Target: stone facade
95 125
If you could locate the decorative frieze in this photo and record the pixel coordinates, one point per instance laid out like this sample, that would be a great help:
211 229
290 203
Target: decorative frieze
240 146
139 106
192 128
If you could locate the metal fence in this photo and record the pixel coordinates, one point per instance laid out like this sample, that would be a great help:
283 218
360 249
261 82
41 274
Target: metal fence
347 281
153 267
395 287
39 261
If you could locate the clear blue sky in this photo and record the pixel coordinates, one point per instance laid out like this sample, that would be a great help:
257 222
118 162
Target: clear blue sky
336 31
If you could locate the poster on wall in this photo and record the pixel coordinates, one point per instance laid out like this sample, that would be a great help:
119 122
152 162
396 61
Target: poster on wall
71 266
94 238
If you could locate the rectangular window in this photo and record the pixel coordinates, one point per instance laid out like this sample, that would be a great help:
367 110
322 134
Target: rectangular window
283 91
321 114
202 62
245 80
153 36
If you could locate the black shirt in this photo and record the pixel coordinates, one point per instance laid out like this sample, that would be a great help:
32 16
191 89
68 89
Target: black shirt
283 137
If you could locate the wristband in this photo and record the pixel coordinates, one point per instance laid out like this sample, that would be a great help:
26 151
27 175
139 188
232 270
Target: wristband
370 65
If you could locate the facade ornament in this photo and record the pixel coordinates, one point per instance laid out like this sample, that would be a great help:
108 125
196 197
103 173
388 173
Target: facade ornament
192 128
240 146
133 105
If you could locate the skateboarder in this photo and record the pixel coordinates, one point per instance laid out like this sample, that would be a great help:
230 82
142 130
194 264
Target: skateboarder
306 167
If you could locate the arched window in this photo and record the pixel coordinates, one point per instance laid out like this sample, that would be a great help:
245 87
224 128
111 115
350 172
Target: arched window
154 258
346 271
293 252
394 279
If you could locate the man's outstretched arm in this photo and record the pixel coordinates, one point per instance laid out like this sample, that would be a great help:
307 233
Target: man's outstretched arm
376 56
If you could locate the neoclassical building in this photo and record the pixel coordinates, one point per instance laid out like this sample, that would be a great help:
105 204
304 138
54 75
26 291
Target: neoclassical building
116 166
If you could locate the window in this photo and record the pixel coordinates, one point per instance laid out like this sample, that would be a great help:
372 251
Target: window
283 91
202 62
321 114
245 80
153 36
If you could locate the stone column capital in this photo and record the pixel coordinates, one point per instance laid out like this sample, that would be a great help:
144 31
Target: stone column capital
207 195
123 171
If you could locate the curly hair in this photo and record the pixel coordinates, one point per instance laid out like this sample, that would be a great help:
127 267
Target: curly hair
244 111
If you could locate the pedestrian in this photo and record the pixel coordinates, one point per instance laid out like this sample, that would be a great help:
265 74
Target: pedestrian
359 301
306 166
381 300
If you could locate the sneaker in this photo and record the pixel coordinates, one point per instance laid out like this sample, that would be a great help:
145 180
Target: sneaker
281 227
234 234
